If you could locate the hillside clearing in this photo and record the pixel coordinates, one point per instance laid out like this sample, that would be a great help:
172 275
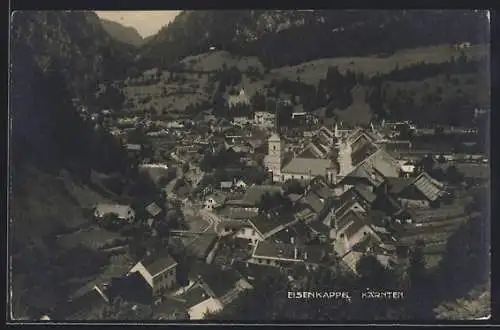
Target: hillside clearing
312 72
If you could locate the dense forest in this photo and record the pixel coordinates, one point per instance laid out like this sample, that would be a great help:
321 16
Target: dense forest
279 37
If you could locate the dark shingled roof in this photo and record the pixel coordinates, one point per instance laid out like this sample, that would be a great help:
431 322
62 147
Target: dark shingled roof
158 262
348 217
79 307
319 227
219 280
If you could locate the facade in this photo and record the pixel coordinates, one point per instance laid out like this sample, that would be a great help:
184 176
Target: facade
286 255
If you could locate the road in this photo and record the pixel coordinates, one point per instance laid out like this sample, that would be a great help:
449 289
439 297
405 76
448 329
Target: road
212 218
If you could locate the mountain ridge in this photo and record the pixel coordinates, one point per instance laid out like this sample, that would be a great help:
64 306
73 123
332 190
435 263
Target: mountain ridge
122 33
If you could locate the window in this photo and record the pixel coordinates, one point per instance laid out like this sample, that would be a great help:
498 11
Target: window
268 261
302 177
274 148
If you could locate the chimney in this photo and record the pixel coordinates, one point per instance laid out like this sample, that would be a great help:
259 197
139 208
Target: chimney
292 240
296 252
305 255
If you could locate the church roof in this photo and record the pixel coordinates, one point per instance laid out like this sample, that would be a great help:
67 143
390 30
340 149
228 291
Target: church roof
274 138
307 165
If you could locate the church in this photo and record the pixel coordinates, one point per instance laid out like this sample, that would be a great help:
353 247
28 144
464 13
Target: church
338 156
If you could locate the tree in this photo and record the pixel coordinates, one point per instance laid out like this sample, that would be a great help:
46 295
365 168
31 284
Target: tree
452 175
293 187
122 310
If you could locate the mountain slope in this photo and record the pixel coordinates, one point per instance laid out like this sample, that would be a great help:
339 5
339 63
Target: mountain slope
55 57
280 37
125 34
73 41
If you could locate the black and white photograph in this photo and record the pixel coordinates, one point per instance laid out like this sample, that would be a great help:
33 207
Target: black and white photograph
249 166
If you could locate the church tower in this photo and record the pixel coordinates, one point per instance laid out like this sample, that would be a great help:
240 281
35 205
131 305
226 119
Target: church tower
275 153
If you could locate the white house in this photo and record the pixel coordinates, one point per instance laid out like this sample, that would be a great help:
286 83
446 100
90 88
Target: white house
123 212
214 201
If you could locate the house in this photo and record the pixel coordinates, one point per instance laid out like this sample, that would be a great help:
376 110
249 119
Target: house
212 290
214 201
240 99
407 168
296 233
223 125
199 302
241 121
133 148
264 119
123 212
226 185
256 145
287 255
253 195
154 210
240 184
159 271
372 171
320 231
86 306
355 237
421 192
263 227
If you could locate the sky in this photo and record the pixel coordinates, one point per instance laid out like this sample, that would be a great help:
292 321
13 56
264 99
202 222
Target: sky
147 23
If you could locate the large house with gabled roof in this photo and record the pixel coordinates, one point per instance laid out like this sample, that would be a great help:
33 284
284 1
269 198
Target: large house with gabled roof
158 270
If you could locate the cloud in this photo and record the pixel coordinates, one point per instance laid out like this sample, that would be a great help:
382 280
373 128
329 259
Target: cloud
146 22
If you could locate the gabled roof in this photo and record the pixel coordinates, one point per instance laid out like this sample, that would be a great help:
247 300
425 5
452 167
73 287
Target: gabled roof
237 213
267 226
158 262
377 168
314 202
316 167
78 307
153 209
318 227
291 252
346 218
428 186
254 193
226 184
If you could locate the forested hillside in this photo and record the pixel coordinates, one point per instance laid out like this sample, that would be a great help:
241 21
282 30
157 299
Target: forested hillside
282 37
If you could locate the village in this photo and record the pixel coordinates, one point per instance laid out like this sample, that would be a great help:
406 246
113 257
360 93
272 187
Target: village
244 196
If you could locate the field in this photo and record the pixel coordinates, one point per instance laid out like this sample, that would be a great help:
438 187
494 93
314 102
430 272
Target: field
214 61
194 85
92 237
312 72
359 112
41 204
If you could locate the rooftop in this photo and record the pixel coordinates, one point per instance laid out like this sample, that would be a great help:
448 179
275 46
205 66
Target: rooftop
157 263
290 252
237 213
153 209
430 187
220 281
122 211
314 166
266 225
254 193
